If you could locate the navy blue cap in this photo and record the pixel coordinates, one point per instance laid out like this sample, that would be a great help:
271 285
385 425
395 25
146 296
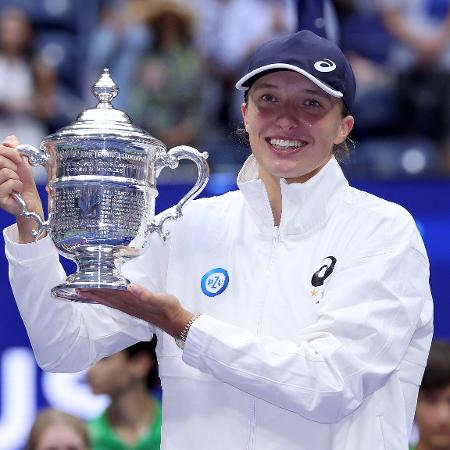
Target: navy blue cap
317 58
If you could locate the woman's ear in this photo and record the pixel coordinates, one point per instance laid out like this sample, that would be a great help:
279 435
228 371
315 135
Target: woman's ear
244 115
344 130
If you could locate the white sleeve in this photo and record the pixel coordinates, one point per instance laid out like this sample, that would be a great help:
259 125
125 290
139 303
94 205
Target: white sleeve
367 318
68 336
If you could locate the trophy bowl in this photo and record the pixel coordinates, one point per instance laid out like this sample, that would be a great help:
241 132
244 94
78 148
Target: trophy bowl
102 173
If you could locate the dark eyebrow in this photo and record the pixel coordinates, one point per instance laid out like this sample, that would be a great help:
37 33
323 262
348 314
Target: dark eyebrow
318 92
266 86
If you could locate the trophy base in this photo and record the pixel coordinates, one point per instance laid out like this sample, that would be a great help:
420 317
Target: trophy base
69 291
97 269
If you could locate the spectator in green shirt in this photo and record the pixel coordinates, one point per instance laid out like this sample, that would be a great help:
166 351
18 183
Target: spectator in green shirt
132 420
433 405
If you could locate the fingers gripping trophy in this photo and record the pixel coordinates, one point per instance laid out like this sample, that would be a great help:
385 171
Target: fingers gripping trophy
102 173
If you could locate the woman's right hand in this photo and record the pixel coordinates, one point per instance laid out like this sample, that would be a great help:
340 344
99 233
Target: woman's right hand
16 176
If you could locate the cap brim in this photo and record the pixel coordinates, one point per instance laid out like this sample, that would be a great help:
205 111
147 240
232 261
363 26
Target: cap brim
269 67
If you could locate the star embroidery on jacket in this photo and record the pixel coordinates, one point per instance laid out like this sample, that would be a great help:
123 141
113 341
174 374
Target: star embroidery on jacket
315 293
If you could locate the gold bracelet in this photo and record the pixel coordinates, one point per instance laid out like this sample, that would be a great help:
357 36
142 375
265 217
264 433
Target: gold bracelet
180 339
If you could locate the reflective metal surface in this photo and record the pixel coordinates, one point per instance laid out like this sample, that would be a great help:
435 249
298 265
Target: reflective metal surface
102 173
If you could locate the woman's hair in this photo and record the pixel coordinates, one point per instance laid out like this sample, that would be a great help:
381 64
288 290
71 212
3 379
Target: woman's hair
148 349
340 151
16 13
181 17
48 417
437 371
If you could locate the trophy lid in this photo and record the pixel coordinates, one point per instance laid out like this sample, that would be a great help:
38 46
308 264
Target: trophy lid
104 121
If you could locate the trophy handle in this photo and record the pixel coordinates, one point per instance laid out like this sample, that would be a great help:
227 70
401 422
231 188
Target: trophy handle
36 158
171 159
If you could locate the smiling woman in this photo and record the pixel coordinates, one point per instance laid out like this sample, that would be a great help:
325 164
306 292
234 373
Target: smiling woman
340 151
300 306
293 125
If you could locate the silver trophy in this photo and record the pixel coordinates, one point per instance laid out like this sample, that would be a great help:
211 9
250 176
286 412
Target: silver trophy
102 174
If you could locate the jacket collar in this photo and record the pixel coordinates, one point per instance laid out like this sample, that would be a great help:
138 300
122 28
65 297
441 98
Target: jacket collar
305 206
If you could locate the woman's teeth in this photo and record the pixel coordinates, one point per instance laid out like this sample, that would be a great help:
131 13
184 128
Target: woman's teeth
284 143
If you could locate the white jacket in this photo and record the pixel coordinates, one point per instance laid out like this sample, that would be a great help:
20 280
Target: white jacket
281 358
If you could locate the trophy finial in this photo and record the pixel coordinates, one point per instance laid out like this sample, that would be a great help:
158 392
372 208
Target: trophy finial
105 90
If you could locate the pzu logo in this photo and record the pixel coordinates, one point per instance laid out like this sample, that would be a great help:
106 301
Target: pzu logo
214 282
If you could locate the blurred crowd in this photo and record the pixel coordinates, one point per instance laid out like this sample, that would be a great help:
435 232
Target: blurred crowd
176 63
132 419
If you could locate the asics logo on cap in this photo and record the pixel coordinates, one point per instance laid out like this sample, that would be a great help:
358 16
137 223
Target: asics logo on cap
325 66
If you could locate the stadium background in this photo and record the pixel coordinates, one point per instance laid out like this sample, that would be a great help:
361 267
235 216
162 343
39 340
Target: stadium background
64 27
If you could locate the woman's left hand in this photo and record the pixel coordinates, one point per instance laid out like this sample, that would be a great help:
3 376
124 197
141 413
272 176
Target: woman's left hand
160 309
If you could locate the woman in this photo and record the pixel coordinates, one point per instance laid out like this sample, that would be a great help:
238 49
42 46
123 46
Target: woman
302 305
167 93
58 430
27 84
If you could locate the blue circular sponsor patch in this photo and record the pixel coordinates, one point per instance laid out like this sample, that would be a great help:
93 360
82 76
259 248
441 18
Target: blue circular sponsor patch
214 282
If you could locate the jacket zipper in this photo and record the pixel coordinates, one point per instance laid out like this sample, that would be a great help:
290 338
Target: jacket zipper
276 234
275 241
